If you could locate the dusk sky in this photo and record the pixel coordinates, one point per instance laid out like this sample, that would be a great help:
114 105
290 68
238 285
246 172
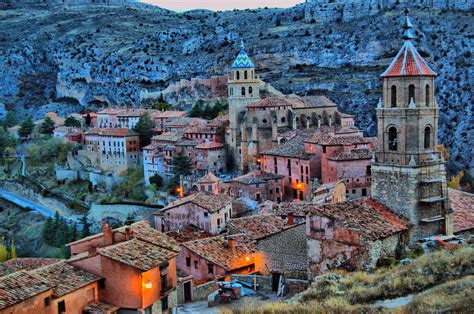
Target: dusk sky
184 5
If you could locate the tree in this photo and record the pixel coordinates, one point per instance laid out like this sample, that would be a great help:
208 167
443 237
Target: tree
26 129
48 231
337 119
144 128
182 165
161 99
88 120
6 141
197 110
72 122
9 120
131 218
162 106
157 181
47 127
72 234
85 226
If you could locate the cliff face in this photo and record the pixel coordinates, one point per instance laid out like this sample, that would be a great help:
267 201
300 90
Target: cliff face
66 58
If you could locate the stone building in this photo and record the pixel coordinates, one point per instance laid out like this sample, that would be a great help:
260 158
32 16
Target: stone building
211 184
210 157
408 174
330 193
258 186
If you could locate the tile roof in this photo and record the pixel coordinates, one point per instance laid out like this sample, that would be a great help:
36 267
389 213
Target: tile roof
408 62
242 61
184 122
257 177
133 112
167 137
295 208
354 154
208 201
293 149
65 278
209 145
462 204
168 114
188 233
258 226
5 270
365 216
270 102
217 251
28 263
100 308
118 132
18 287
336 139
186 142
110 111
209 178
138 254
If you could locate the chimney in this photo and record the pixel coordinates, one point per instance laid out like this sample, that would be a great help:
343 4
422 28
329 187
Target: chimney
128 233
231 242
291 219
108 234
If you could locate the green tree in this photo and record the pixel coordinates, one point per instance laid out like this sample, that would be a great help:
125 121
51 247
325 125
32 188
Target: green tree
161 99
144 128
207 112
72 234
88 120
9 120
26 129
131 218
197 110
132 187
72 122
162 106
157 181
48 231
85 226
182 165
6 141
47 127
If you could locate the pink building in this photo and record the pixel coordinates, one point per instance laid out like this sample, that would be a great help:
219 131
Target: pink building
161 118
107 118
208 133
258 186
211 184
210 157
204 210
179 124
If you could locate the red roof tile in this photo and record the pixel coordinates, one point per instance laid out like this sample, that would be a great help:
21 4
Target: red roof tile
18 287
210 202
28 263
259 226
408 62
209 145
188 233
462 204
117 132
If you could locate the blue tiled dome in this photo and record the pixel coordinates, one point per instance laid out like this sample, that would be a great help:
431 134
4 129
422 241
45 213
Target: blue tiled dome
243 61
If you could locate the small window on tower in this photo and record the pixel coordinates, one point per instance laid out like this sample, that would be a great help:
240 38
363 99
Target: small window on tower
250 90
237 75
393 96
427 96
243 91
411 93
392 138
245 75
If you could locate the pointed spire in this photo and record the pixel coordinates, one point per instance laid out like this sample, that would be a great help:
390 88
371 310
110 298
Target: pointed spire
242 46
407 26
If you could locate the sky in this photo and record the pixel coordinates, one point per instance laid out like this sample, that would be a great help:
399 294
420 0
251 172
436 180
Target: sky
221 5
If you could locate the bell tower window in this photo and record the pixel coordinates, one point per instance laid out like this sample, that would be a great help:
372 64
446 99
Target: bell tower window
237 75
243 91
393 96
427 137
245 75
411 93
427 96
250 90
392 138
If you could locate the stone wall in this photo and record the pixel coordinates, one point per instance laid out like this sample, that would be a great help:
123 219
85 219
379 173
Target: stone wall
284 252
201 292
265 283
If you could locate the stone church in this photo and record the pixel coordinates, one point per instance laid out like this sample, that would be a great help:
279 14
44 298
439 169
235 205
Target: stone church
255 121
408 173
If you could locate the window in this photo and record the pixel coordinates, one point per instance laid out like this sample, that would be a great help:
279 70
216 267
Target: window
90 295
324 149
364 192
164 304
210 269
368 170
209 187
196 264
392 138
245 75
353 191
102 284
237 75
411 93
243 91
46 302
283 119
206 214
62 307
393 96
427 137
427 95
250 90
188 261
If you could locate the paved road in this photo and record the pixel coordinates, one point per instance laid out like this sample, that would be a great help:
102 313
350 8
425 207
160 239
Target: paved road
26 203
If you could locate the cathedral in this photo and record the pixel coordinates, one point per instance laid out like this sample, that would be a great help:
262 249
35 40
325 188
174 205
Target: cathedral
408 172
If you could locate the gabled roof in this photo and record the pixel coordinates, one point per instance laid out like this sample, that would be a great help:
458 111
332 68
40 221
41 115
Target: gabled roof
292 149
210 202
65 278
257 177
242 61
117 132
209 178
18 287
188 233
27 263
258 226
462 204
209 145
408 62
354 154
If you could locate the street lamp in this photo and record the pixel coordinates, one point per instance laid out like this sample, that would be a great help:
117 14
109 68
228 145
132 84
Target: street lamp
148 284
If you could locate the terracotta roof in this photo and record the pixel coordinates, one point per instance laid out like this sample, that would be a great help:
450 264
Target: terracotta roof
293 149
364 216
336 139
133 112
259 226
257 177
167 137
117 132
217 250
28 263
100 308
408 62
354 154
110 111
168 114
462 204
65 278
188 233
209 178
208 201
270 102
138 254
209 145
295 208
185 121
187 142
18 287
313 102
5 270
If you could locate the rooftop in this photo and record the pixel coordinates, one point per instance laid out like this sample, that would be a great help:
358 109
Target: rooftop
293 149
242 61
188 233
209 178
258 226
354 154
100 308
27 263
336 139
18 287
208 201
367 217
65 278
167 137
117 132
110 111
462 204
257 177
133 112
209 145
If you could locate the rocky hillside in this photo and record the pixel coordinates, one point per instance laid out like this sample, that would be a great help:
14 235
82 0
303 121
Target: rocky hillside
69 57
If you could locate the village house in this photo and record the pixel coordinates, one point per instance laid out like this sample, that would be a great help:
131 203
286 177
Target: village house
258 186
112 149
138 264
207 133
179 124
205 210
216 258
163 117
210 157
353 235
291 212
107 118
462 204
330 193
68 134
211 184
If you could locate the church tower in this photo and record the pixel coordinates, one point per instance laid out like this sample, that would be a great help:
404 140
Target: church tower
408 172
243 89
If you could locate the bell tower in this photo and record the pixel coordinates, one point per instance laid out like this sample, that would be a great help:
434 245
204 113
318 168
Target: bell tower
408 172
243 89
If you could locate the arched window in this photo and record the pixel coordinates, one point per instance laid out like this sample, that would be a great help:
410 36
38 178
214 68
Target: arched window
250 90
411 93
393 96
283 119
427 96
243 91
245 74
392 138
237 75
427 137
